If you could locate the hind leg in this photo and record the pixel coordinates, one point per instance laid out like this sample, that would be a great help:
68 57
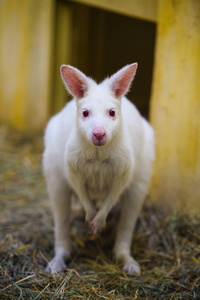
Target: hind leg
59 194
132 200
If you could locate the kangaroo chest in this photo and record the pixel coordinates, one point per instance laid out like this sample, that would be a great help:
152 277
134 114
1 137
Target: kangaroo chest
97 176
97 171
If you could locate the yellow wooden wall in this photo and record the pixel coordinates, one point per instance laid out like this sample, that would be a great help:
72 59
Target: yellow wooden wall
175 104
26 37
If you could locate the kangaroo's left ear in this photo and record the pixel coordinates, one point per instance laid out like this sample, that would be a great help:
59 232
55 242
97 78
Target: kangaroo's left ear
120 82
75 81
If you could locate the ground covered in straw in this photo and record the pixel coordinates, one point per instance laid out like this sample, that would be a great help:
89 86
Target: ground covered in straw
166 246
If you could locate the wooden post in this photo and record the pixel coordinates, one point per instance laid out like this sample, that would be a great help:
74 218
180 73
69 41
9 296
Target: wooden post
175 104
26 37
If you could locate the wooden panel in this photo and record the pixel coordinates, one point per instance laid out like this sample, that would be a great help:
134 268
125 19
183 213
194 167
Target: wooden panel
81 37
175 105
144 9
62 53
89 26
26 28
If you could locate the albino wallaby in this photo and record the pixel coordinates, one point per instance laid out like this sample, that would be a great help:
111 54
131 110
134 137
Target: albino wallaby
100 148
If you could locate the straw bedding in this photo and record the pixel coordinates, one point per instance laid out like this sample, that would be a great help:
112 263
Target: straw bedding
167 246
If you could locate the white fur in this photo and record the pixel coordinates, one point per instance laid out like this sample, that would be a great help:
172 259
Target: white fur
98 175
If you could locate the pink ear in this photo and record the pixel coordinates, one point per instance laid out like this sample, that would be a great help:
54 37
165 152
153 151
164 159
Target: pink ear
120 81
74 80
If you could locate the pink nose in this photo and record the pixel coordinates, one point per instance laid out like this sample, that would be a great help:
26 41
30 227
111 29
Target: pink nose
99 133
99 136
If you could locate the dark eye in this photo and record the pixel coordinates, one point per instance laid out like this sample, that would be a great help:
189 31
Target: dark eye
112 112
86 113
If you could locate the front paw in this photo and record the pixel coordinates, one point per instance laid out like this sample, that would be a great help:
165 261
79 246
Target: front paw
90 214
97 224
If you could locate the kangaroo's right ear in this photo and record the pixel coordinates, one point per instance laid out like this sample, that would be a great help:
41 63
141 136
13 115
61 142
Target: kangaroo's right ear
74 80
120 82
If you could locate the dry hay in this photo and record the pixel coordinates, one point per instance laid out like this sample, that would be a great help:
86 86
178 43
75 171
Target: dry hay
166 246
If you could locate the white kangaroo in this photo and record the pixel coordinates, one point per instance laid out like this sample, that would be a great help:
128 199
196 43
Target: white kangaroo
101 149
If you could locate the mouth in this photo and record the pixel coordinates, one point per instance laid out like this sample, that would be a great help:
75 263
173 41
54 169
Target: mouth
99 143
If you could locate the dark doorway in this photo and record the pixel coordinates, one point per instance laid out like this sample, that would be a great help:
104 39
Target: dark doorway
103 42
